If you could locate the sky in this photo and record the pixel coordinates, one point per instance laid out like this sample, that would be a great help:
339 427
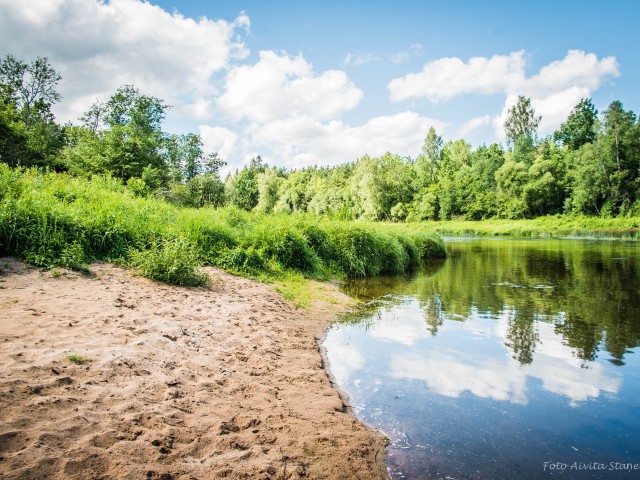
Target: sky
323 83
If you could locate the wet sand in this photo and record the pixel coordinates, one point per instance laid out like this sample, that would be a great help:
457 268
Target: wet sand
180 383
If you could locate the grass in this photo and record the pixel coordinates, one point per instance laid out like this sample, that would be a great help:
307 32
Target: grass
77 359
627 228
55 220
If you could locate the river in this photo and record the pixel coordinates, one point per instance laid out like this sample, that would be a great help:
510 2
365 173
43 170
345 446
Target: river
512 358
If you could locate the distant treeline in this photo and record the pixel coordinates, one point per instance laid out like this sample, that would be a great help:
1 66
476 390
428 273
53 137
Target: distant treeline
589 166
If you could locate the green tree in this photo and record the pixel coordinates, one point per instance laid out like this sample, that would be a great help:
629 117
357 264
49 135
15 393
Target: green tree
121 137
453 178
184 156
580 127
621 145
242 189
544 192
479 195
427 164
511 178
589 179
268 183
378 184
31 87
30 135
521 120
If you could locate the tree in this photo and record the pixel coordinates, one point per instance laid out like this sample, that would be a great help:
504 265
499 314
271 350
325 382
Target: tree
521 120
243 189
268 183
31 87
580 127
184 155
453 177
428 163
30 135
479 197
544 192
123 137
621 144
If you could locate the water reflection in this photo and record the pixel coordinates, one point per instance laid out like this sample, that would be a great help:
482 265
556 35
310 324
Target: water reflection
505 355
589 291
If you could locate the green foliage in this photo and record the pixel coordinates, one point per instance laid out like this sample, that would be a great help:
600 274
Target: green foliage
580 127
52 219
170 260
243 189
28 134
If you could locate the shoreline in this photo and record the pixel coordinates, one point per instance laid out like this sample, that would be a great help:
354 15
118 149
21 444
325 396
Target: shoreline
225 381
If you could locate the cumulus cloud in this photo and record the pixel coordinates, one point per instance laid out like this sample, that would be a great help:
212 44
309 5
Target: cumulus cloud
291 115
303 141
280 86
577 69
99 46
449 77
554 90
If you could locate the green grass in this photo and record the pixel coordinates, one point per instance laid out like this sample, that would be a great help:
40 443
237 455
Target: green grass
77 359
51 219
627 228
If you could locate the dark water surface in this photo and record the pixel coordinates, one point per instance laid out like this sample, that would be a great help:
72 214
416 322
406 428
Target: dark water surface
506 355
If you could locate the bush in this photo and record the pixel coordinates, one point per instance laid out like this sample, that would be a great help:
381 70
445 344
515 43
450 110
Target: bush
170 260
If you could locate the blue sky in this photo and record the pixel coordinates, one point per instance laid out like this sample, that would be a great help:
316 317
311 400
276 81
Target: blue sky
305 83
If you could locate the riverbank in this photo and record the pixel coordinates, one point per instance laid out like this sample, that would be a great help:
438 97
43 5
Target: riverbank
557 226
108 375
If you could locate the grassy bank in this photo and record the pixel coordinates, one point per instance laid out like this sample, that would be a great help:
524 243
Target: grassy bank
51 219
550 226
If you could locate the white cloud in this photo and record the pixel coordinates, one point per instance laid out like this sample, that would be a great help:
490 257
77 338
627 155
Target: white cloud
577 69
303 141
473 124
291 116
449 77
415 50
554 90
220 140
279 86
357 60
99 46
450 376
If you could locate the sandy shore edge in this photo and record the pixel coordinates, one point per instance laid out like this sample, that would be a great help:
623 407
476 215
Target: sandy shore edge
227 381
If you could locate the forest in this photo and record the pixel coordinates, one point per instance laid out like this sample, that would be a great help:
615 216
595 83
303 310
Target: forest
589 166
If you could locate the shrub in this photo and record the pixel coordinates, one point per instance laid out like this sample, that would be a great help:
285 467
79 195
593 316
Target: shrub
170 260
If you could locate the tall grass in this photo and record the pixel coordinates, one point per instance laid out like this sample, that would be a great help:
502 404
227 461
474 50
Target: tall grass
51 219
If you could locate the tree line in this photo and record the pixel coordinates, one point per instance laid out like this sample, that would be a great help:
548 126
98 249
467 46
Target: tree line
590 165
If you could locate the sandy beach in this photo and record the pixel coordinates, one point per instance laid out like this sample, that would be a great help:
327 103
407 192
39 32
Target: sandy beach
225 381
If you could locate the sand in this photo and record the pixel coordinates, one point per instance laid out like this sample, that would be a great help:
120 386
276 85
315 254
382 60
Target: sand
180 383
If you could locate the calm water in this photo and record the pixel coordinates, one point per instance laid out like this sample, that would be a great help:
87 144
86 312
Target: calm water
507 355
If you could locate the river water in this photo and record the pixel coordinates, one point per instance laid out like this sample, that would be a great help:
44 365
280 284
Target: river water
509 359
